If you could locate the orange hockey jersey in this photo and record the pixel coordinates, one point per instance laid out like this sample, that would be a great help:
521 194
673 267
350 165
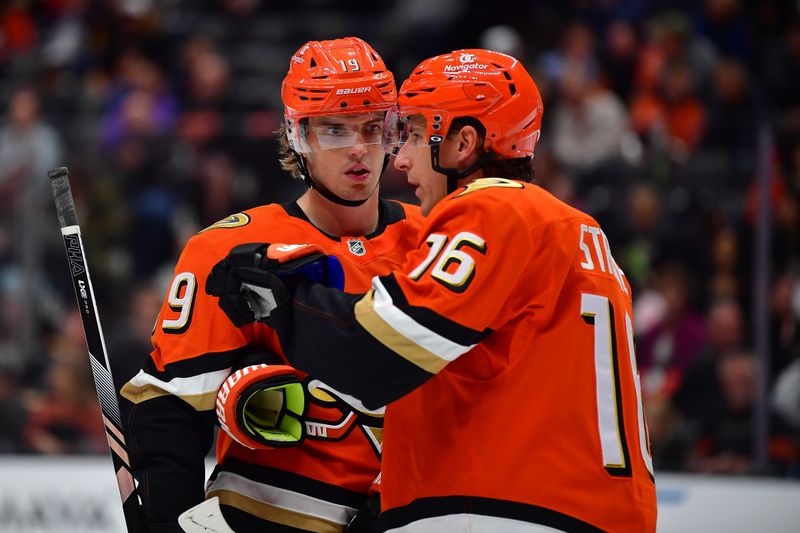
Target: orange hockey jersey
506 346
316 486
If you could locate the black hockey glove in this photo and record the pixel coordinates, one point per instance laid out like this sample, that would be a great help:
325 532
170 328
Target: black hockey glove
255 278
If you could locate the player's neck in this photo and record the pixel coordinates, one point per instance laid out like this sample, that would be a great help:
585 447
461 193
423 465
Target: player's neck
338 220
475 175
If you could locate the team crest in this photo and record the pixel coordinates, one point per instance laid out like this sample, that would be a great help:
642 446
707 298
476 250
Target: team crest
233 221
485 183
356 247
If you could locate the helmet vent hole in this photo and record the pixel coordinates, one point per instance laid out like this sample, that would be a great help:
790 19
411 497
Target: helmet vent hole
343 104
313 63
507 75
512 88
513 146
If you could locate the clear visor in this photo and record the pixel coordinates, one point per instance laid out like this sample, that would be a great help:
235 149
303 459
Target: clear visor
415 127
330 132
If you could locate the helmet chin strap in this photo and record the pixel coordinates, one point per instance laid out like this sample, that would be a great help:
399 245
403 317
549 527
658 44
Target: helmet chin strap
327 193
453 175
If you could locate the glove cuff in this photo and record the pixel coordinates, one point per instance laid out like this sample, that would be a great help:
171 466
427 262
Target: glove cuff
263 406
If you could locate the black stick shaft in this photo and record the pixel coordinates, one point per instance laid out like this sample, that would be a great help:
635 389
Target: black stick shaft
98 357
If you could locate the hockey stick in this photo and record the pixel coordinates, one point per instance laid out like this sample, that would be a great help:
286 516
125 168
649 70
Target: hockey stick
98 357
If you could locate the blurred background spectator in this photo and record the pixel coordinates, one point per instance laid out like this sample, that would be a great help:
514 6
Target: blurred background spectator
662 120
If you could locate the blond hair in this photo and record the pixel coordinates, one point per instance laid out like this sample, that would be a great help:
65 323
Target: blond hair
286 156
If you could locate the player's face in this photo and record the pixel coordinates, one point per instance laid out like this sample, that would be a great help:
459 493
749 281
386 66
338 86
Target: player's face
414 158
347 157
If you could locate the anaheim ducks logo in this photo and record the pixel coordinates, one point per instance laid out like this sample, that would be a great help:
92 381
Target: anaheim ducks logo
356 247
485 183
234 221
333 415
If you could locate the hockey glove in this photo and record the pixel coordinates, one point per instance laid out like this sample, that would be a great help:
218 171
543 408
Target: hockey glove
263 406
256 278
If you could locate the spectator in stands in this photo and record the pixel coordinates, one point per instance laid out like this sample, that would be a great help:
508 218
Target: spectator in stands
590 122
786 395
29 147
141 105
725 265
667 349
784 321
66 419
700 391
724 23
619 57
733 119
725 442
671 117
576 50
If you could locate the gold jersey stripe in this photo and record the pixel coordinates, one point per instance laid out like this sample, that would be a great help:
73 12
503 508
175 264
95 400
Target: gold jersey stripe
377 433
272 513
371 321
138 394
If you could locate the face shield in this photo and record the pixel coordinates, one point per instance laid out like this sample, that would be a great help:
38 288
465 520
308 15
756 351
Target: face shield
416 127
331 132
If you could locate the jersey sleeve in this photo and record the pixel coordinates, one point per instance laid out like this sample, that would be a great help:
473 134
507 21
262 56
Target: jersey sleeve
464 281
170 402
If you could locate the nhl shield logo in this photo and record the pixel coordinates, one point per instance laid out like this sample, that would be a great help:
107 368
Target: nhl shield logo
356 247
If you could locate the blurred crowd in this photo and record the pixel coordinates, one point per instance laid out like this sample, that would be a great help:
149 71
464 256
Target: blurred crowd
667 121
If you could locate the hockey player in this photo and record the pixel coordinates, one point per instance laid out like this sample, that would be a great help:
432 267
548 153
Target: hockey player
314 478
505 342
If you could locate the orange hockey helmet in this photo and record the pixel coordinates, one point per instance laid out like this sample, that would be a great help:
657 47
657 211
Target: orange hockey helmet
339 76
492 87
336 77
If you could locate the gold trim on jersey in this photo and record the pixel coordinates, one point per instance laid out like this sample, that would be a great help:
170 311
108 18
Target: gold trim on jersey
138 394
234 221
199 391
275 514
377 433
371 321
321 395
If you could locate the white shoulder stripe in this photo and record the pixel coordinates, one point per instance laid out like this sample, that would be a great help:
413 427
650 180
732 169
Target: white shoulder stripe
411 329
201 384
282 498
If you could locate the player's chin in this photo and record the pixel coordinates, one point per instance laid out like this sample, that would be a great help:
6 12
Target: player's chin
359 178
425 203
358 191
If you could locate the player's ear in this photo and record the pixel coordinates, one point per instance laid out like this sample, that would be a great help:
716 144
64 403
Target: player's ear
469 144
